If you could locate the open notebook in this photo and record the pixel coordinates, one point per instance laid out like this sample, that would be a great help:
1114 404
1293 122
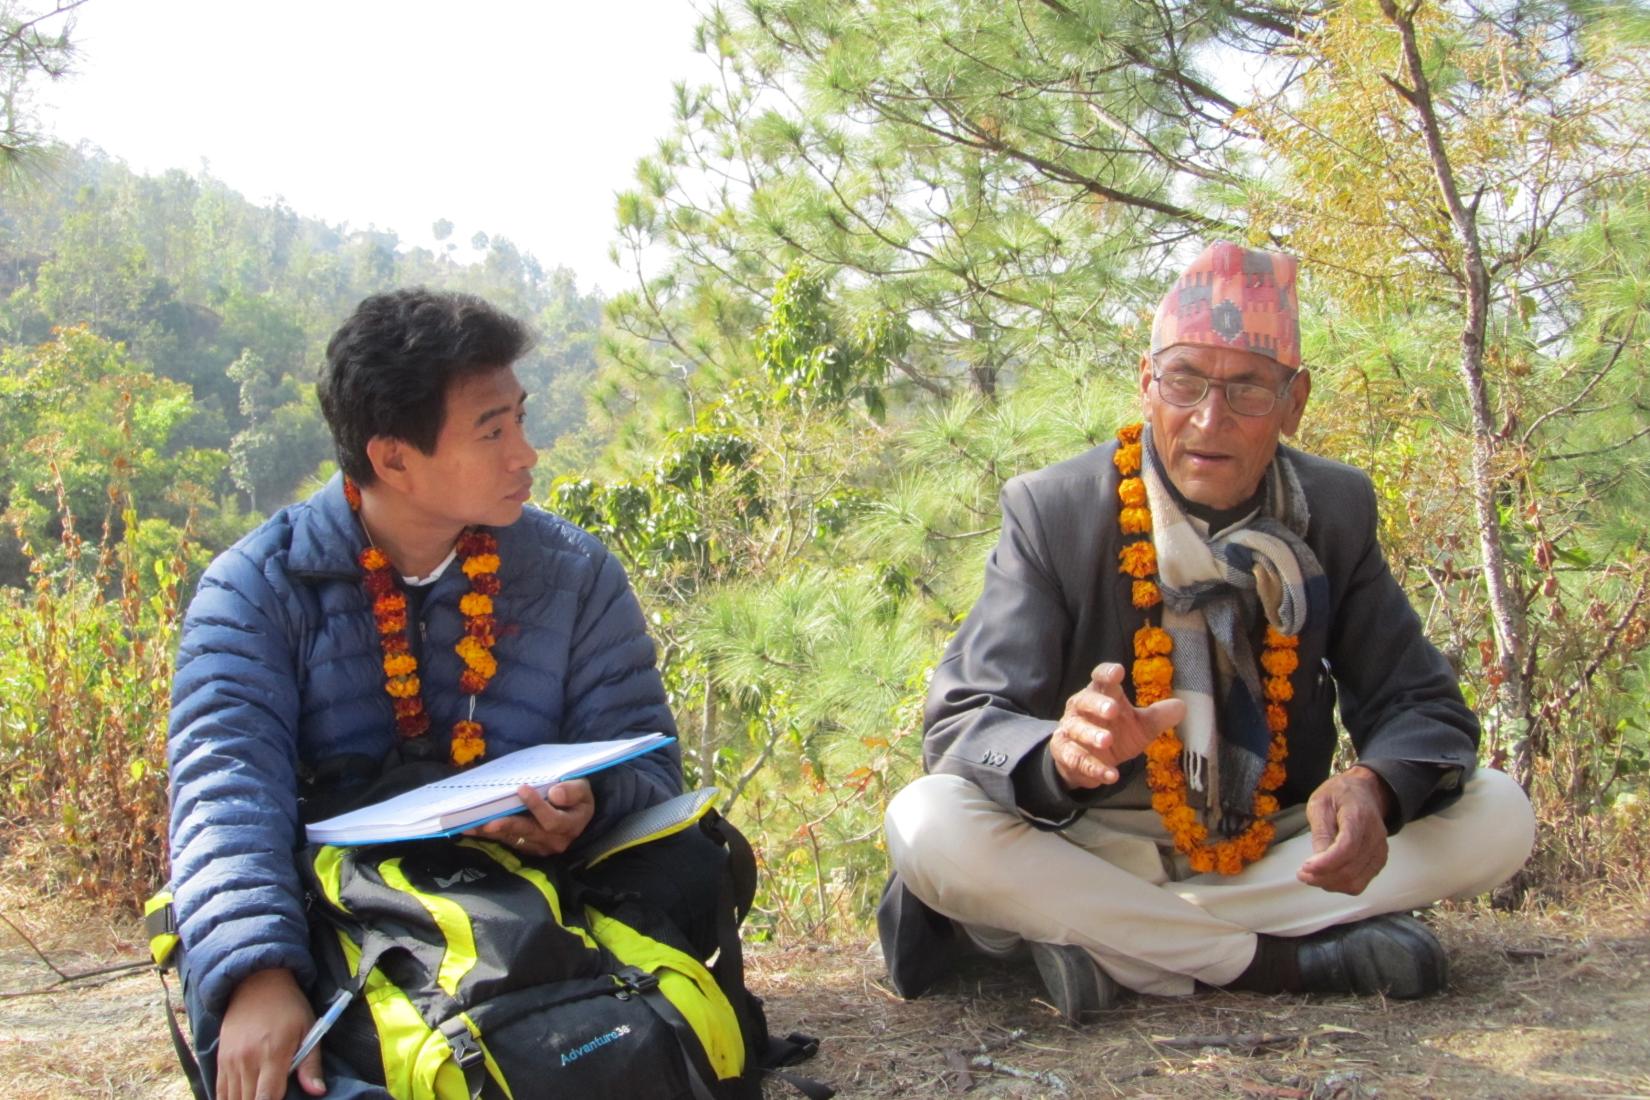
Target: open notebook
471 798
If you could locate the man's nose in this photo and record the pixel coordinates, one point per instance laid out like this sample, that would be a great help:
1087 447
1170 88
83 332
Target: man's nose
526 457
1212 409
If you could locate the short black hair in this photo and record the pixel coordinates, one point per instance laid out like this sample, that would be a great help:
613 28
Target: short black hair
390 363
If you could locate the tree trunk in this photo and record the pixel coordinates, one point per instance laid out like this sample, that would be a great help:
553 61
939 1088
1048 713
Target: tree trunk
1505 610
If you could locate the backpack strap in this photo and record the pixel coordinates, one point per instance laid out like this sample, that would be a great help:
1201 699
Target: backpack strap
638 982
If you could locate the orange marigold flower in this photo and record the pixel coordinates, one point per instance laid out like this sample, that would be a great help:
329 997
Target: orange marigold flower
1277 717
471 682
402 687
1145 594
1272 778
1163 749
1135 521
394 643
1279 662
1164 802
1265 805
1202 860
1155 672
485 583
392 624
1127 459
1152 641
389 603
352 494
1182 821
1130 434
464 727
480 563
466 749
474 603
400 664
1227 859
1278 751
1281 641
1139 558
1132 492
374 559
1278 690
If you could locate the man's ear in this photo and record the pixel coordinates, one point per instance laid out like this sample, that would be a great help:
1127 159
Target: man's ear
1295 403
1145 375
388 456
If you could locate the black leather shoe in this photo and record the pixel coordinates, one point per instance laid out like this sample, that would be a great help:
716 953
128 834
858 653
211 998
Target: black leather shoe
1074 981
1393 954
919 945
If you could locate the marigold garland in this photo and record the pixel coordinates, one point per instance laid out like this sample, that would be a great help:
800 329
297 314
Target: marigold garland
1153 676
479 553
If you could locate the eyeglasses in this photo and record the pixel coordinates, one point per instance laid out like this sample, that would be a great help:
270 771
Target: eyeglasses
1185 389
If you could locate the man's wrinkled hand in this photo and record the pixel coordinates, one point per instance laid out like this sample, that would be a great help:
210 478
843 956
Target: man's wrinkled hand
267 1018
552 822
1101 730
1347 815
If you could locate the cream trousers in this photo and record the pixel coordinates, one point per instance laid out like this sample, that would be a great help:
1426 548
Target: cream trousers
1111 882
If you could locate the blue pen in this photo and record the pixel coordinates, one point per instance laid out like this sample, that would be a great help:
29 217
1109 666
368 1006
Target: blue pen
321 1027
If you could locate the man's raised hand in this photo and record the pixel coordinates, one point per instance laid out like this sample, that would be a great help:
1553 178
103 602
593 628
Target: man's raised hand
1101 729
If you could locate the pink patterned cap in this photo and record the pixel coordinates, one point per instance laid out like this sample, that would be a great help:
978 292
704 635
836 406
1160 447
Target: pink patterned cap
1234 297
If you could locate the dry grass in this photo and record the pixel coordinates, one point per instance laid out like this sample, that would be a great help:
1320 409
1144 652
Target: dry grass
1543 1004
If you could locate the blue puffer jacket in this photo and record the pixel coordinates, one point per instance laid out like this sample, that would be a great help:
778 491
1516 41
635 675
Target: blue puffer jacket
280 671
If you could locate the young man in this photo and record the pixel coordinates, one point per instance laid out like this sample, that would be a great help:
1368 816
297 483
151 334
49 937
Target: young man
416 608
1198 577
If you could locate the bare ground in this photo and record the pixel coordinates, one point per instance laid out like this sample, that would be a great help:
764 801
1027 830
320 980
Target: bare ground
1548 1003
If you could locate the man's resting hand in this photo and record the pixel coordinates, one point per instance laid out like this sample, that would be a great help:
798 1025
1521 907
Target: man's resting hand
1102 729
1347 815
265 1021
550 825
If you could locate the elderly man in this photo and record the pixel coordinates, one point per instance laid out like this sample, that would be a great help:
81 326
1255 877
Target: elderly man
1130 739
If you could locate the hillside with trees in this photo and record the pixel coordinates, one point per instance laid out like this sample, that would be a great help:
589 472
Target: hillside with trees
891 257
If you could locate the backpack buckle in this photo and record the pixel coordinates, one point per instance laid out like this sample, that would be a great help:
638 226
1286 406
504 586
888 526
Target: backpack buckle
466 1051
633 979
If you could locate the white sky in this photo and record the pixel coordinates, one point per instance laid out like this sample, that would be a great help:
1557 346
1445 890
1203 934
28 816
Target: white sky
511 117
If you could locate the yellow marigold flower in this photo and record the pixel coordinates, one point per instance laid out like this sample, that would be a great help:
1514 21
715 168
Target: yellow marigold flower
1132 492
400 664
1152 641
1281 641
1130 434
402 687
466 749
1279 662
1145 594
1127 459
1278 690
1277 718
1139 558
1135 521
480 563
476 656
374 558
473 604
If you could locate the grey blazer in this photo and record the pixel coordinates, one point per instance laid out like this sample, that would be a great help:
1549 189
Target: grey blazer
1055 605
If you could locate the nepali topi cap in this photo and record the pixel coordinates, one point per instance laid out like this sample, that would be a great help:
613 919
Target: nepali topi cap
1234 297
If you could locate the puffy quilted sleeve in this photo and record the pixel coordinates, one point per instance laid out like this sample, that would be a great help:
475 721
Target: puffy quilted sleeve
233 755
614 690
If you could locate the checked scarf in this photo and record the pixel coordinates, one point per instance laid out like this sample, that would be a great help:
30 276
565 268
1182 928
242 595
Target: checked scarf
1214 592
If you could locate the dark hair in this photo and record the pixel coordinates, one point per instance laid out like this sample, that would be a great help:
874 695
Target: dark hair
390 363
